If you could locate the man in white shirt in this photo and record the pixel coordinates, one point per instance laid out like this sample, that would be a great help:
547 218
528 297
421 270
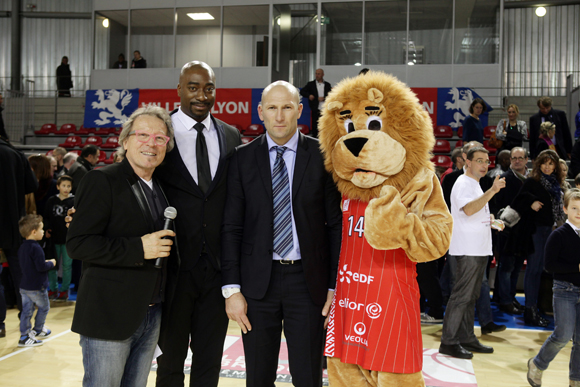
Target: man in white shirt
470 246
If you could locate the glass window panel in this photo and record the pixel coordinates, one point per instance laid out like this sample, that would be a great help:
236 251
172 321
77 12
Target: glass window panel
152 36
341 33
245 36
430 31
385 32
110 38
477 31
198 39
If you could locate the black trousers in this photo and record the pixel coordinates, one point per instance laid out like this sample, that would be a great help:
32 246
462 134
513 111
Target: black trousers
430 288
197 309
288 306
315 116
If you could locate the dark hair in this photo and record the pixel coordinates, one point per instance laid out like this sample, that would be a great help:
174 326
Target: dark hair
455 154
89 150
577 179
64 178
363 71
137 51
519 148
474 150
28 223
475 102
544 102
40 164
544 157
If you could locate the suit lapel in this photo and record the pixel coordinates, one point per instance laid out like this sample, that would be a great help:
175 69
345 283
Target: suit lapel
133 181
263 162
300 164
184 175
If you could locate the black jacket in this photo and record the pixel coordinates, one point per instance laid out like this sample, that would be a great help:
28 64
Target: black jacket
311 89
563 135
63 77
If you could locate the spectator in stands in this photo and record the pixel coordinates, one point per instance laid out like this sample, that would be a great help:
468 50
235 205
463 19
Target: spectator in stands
88 159
3 134
563 138
316 92
64 78
563 260
539 204
576 121
511 131
121 63
565 185
53 166
16 180
40 164
472 127
510 262
547 132
117 232
471 246
138 61
458 163
67 162
117 157
503 164
58 153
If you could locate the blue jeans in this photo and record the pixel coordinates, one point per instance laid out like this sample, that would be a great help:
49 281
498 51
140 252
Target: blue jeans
126 363
535 266
29 299
507 278
567 322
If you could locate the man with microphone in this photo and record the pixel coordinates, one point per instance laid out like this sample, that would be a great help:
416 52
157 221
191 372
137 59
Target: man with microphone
118 233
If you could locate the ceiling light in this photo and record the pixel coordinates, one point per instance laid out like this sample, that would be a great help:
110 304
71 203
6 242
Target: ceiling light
540 11
410 63
358 64
200 16
106 23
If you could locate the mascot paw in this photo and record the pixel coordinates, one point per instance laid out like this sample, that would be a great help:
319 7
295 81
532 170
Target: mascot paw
385 220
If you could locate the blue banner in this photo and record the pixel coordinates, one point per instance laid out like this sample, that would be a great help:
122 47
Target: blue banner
453 106
109 108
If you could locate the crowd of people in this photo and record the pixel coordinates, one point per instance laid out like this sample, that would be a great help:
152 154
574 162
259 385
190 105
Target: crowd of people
180 286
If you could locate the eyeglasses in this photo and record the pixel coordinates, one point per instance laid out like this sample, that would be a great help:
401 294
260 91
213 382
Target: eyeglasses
519 158
481 162
144 137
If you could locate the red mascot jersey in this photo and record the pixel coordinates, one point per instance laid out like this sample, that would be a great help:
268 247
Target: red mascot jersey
375 316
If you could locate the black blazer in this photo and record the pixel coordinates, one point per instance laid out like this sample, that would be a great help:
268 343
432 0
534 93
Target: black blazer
105 233
247 232
199 215
311 88
563 135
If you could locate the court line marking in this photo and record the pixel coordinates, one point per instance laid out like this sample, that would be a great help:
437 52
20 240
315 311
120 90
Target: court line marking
27 348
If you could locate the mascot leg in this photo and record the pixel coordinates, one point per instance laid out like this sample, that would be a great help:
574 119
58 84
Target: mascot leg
351 375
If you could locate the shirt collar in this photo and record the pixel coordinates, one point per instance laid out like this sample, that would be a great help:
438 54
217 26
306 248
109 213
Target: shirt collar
573 227
292 144
189 122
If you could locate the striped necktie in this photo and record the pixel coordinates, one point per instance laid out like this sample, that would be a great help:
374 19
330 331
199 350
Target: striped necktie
283 243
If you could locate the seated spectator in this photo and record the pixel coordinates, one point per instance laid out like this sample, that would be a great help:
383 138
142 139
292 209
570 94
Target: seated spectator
121 63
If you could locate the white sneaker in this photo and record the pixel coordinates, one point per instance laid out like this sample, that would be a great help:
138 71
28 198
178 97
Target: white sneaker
44 333
29 341
534 374
426 319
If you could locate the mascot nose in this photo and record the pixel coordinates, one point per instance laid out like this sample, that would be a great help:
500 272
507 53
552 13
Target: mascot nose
355 145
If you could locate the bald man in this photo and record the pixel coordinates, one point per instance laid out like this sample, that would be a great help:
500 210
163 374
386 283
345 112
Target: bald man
316 91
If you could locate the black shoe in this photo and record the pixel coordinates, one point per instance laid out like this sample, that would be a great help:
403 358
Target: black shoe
517 304
476 346
2 332
510 309
532 317
455 350
492 327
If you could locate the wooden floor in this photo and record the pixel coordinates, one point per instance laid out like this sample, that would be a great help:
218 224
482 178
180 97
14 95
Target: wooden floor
58 362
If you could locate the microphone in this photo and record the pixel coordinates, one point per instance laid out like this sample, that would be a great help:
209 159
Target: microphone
170 213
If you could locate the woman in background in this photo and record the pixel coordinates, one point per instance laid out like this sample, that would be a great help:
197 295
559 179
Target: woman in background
511 131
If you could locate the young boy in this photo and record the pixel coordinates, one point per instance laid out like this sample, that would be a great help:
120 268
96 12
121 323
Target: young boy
34 282
563 261
54 214
577 181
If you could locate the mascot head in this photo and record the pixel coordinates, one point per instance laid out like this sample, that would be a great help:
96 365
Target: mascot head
374 132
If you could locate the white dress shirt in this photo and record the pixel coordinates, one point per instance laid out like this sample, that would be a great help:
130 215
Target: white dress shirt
186 137
320 88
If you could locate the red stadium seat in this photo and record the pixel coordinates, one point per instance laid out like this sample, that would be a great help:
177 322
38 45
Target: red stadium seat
102 157
460 132
254 130
246 140
105 131
492 159
67 129
489 148
238 127
111 142
442 146
459 143
442 161
488 131
93 140
305 129
443 131
110 159
46 129
118 131
84 131
72 142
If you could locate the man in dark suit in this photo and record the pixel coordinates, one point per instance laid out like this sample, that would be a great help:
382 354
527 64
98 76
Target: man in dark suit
280 243
194 178
563 137
316 92
117 233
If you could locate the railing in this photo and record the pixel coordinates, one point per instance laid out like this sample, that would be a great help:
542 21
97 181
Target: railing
46 85
19 113
539 83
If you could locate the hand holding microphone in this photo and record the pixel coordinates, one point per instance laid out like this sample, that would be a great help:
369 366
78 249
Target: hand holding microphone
157 245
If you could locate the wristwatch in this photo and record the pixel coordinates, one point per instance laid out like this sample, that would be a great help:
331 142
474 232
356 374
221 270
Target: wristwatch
228 292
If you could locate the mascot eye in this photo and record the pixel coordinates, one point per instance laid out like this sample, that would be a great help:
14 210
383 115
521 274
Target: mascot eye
348 125
374 123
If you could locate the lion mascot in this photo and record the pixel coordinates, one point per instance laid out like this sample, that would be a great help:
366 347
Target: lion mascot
377 141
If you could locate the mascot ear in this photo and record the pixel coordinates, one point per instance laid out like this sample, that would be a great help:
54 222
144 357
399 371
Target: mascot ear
375 95
334 105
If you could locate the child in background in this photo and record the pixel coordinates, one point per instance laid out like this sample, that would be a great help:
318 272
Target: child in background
55 211
563 261
34 282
